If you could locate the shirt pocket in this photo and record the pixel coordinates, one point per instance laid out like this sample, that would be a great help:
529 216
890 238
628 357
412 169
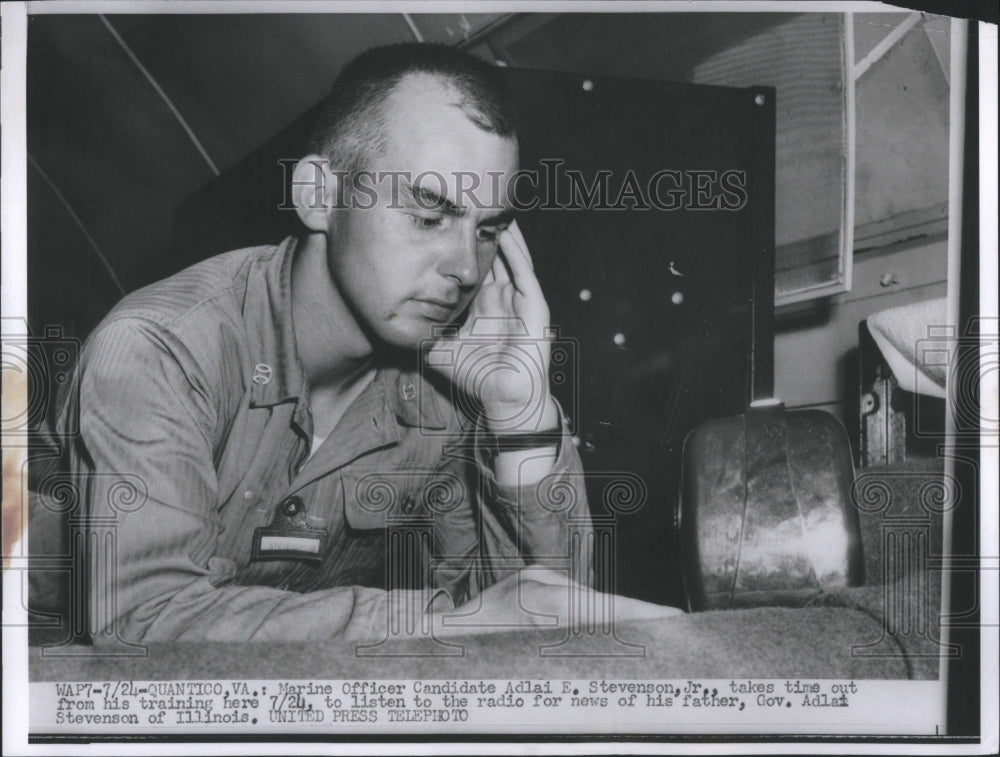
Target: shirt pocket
373 497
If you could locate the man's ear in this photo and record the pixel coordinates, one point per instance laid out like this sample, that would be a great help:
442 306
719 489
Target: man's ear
315 191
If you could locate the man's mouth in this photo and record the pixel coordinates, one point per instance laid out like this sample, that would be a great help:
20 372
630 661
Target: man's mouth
437 310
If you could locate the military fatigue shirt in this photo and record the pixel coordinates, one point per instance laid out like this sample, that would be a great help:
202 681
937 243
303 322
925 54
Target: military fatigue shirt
194 431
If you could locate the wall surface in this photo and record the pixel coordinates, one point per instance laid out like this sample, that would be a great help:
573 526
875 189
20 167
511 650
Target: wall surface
815 351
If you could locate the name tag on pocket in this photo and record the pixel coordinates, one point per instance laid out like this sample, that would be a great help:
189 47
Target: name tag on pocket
289 544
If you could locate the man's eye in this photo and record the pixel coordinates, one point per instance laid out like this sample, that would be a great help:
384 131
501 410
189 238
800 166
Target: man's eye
488 234
425 223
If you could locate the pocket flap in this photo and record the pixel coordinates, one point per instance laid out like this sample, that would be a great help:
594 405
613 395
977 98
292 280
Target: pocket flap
371 497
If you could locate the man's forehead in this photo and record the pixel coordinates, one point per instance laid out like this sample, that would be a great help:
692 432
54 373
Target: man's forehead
425 111
437 151
420 90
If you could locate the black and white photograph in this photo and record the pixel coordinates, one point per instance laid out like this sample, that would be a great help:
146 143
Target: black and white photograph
449 377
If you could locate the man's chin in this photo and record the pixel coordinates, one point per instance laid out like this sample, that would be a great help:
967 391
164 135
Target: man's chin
410 333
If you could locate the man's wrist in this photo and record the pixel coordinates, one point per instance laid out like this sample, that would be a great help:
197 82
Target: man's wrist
509 419
532 435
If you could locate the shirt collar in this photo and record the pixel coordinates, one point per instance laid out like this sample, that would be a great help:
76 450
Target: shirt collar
413 398
277 371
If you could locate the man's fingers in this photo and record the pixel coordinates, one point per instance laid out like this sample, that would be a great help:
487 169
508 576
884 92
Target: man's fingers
499 271
522 273
515 232
627 608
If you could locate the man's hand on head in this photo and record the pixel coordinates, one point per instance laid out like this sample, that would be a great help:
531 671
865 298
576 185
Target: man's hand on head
501 354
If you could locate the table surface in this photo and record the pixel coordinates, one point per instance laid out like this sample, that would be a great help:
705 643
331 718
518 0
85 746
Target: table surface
813 642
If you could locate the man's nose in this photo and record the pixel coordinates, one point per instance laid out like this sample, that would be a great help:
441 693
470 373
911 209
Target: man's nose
459 260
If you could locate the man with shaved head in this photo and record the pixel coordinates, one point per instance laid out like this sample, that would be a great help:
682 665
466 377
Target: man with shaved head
282 411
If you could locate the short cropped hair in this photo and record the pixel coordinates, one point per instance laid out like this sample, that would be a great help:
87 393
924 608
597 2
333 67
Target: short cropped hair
350 130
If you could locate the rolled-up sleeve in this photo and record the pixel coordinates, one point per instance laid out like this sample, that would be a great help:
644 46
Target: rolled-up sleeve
144 463
504 528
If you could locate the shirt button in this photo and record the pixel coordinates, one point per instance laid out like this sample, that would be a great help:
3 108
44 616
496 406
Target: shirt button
248 495
292 506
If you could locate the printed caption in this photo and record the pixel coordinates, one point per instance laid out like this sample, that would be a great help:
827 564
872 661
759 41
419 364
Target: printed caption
423 704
